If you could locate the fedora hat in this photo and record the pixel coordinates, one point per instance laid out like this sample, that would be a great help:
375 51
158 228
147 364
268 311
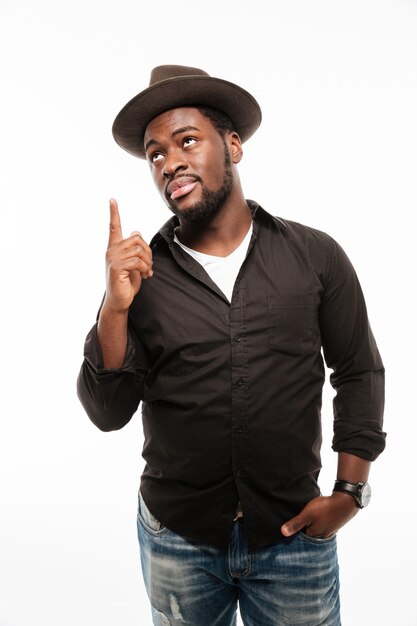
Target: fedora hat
173 86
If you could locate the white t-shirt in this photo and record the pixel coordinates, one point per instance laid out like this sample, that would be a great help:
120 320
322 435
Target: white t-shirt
223 270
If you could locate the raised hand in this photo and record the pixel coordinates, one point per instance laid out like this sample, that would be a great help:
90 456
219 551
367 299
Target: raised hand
128 262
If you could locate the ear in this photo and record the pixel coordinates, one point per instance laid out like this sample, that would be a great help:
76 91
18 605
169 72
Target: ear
235 147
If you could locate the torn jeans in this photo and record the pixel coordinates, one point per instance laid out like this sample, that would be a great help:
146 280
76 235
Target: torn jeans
292 583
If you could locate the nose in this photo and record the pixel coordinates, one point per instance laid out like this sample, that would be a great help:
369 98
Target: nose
174 163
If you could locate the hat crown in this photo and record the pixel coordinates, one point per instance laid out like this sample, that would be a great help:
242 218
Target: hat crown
168 72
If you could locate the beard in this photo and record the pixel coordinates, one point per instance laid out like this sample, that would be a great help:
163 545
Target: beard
210 202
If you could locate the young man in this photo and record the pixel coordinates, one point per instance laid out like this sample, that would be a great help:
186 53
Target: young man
217 328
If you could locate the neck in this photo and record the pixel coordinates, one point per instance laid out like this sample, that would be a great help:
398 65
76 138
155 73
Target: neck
221 234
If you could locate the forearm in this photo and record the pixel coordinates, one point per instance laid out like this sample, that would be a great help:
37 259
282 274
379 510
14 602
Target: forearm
352 468
112 336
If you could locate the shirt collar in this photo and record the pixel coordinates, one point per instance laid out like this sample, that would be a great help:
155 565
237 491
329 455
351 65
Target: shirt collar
258 215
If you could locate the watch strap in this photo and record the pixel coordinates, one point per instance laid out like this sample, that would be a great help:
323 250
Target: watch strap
343 485
352 489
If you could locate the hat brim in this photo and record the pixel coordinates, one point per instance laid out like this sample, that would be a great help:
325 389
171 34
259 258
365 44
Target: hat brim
130 124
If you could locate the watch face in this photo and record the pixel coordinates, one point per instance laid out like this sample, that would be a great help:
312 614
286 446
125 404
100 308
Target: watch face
365 494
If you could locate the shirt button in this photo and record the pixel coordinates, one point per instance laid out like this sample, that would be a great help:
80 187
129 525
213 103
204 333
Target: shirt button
239 429
237 338
240 382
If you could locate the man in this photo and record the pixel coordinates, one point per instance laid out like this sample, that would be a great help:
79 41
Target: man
217 328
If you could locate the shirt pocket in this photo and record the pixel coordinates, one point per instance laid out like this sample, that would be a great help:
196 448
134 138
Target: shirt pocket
293 324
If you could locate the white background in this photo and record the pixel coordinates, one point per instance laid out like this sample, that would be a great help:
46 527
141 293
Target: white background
337 82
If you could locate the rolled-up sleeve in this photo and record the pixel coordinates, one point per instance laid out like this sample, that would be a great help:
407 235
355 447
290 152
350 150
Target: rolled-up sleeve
351 352
111 396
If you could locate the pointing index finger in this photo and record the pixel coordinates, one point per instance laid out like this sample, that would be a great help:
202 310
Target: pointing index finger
115 234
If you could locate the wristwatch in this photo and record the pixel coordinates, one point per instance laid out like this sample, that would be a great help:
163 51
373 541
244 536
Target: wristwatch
360 492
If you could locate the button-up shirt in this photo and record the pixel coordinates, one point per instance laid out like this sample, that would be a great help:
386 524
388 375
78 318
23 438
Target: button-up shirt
231 392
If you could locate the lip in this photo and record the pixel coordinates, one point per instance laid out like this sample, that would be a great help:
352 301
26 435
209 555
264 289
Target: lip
181 186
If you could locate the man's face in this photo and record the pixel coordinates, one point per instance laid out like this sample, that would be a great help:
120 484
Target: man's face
190 163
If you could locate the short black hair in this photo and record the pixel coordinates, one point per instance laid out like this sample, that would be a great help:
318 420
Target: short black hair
221 122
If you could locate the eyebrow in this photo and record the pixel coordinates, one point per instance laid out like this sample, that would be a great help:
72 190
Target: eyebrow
178 131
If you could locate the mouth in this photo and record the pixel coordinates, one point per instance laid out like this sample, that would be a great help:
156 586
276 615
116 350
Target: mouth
181 186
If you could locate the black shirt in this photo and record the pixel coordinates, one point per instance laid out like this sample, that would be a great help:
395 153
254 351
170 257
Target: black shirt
231 391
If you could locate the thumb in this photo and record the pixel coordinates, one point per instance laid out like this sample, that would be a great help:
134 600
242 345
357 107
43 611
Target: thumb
294 525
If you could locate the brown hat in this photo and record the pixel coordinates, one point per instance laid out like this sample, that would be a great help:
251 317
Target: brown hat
173 86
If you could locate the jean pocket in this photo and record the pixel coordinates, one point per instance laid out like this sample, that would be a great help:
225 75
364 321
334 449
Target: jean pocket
149 521
316 540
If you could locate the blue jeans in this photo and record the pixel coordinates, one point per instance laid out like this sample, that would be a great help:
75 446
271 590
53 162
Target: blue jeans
292 583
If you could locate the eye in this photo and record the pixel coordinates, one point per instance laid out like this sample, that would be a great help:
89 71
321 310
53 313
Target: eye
156 156
188 141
